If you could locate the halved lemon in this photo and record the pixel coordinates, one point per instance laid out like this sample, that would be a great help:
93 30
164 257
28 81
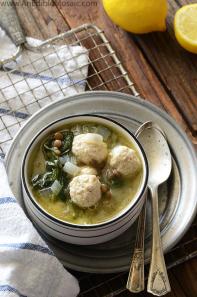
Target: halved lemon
185 26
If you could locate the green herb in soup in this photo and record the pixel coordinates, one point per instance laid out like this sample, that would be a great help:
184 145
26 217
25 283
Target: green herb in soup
85 173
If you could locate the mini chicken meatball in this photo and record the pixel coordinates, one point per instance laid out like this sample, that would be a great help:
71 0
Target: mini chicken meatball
88 170
124 161
90 149
85 190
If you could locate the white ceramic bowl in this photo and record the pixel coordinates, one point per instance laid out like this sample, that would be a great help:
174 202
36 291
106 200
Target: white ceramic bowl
75 233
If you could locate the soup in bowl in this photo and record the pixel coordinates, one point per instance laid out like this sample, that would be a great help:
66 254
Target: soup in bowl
84 179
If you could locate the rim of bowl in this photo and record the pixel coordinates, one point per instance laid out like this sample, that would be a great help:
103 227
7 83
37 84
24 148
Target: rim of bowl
88 226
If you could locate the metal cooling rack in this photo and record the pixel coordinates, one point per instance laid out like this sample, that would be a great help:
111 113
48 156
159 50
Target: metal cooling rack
19 99
105 72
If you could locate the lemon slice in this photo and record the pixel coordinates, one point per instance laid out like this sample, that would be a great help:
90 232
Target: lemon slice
185 26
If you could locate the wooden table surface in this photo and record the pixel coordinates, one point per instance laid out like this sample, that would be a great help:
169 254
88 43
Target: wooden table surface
163 72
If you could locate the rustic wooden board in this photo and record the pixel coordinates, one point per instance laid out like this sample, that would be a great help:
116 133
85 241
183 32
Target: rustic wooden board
175 67
43 22
163 72
142 72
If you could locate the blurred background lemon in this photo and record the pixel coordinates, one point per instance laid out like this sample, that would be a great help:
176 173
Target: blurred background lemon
185 27
138 16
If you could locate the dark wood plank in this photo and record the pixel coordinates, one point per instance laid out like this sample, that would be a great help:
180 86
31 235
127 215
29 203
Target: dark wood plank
28 22
175 67
46 21
186 276
43 22
133 58
176 290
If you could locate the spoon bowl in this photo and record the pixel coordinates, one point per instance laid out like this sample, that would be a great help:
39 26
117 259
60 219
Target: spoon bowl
155 145
158 153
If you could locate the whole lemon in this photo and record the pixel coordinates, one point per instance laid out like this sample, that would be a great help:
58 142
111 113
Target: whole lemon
138 16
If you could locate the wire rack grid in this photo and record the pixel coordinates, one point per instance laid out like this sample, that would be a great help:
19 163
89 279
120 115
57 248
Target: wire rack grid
43 76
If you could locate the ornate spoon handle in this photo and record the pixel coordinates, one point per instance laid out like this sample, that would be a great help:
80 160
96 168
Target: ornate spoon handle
135 282
158 283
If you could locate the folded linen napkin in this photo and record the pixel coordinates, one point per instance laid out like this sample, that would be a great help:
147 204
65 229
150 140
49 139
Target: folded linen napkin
27 266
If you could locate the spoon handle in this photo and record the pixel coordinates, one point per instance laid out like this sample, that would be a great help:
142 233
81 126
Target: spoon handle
158 282
135 282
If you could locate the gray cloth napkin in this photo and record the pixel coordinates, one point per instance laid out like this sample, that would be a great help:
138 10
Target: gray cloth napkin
27 266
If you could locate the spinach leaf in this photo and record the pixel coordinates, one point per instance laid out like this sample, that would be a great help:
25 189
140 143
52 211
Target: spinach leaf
51 165
67 142
48 150
53 173
53 168
41 181
64 181
36 181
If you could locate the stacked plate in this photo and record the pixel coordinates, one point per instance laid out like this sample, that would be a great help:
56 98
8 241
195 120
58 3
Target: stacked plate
178 197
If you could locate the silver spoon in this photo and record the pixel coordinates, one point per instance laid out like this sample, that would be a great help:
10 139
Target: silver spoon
158 154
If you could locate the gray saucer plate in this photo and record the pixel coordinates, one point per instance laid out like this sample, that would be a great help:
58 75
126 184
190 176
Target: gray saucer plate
177 198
